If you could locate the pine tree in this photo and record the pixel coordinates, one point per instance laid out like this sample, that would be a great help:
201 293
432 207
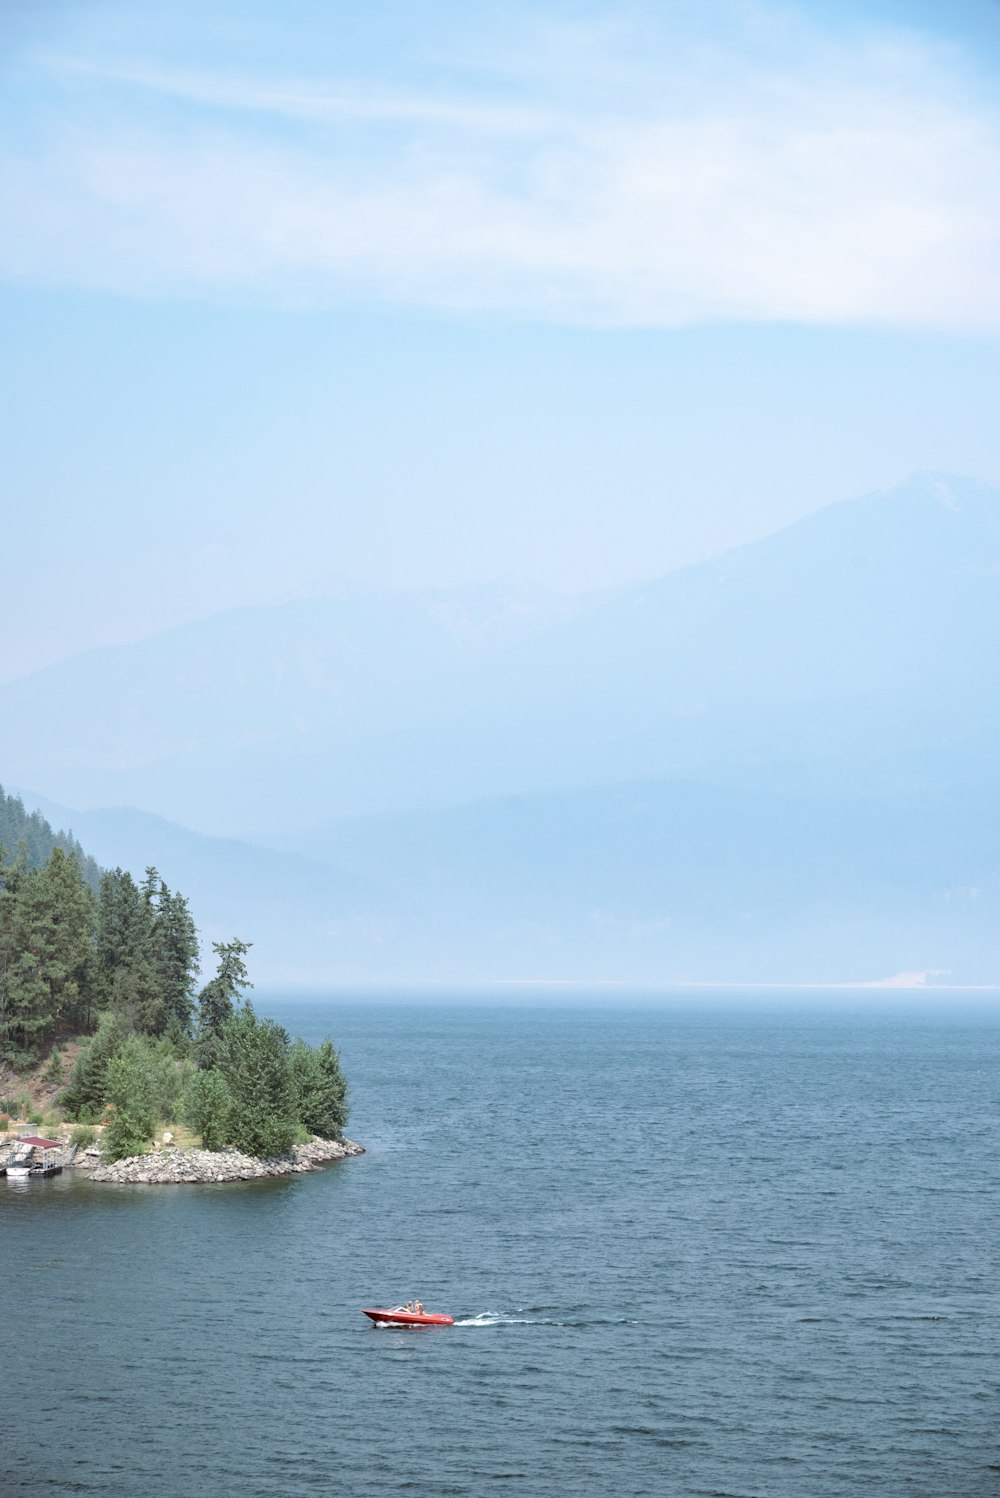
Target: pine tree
30 833
176 957
12 873
87 1091
206 1108
321 1090
253 1062
130 1091
122 928
69 939
218 999
47 939
126 975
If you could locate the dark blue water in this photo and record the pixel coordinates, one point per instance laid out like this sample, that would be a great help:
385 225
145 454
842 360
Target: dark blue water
712 1253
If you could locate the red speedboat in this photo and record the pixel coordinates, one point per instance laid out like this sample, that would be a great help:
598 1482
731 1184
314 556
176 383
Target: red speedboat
400 1316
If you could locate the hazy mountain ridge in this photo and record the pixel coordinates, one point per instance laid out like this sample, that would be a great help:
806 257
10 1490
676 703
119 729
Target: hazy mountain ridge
29 835
809 657
688 881
805 730
298 912
318 690
652 881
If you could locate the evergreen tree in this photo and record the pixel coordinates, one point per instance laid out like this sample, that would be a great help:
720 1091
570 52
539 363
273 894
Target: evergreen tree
206 1108
179 1038
31 833
136 996
176 957
12 872
168 1079
86 1094
130 1091
47 940
110 941
147 953
127 980
320 1087
218 999
253 1062
71 961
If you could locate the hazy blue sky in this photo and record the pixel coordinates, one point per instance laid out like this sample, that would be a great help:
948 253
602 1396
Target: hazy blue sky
416 292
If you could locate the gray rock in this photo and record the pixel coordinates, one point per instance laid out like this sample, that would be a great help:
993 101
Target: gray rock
171 1167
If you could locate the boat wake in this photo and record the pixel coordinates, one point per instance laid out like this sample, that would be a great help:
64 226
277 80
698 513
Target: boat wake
541 1316
494 1318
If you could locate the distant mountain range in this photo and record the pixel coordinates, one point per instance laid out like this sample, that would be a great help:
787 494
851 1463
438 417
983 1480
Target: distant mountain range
782 763
655 881
304 917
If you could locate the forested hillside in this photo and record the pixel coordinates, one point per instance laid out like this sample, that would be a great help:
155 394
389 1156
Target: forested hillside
28 830
123 960
66 953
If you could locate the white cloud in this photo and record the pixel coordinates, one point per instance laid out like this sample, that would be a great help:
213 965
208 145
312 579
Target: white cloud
809 185
298 99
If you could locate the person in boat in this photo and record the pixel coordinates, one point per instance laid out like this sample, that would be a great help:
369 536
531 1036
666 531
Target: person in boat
418 1308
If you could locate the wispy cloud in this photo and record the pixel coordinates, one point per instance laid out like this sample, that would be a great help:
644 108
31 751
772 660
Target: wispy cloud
301 99
807 184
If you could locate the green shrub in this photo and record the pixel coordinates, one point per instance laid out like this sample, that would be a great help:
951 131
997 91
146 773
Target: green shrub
122 1143
167 1079
36 1118
4 1123
206 1108
83 1115
130 1094
83 1136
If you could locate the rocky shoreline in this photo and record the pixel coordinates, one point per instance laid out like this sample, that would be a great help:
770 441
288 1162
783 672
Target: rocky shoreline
194 1167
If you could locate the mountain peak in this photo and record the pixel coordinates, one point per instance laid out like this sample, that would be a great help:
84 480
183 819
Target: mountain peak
953 491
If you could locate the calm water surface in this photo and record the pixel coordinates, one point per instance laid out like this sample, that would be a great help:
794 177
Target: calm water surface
689 1253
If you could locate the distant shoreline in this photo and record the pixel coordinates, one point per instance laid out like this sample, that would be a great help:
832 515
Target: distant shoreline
418 988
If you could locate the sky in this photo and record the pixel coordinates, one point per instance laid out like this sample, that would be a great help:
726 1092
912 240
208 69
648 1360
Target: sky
430 294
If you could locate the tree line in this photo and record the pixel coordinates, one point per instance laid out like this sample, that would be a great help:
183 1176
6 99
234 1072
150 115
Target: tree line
32 833
120 964
68 955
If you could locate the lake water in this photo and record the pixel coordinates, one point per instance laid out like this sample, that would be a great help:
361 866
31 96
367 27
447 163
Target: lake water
690 1250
